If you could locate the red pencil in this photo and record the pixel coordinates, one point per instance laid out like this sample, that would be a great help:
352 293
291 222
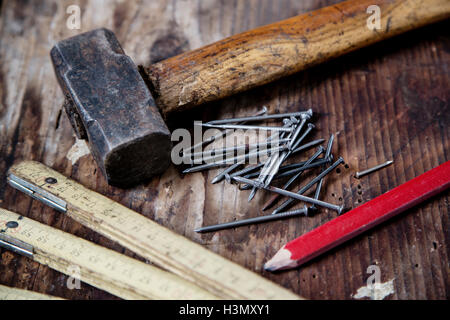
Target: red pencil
360 219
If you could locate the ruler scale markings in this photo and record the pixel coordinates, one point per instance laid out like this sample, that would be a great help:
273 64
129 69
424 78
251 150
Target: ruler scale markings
179 254
100 267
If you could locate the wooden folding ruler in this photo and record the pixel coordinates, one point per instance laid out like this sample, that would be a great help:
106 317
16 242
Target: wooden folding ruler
8 293
148 239
100 267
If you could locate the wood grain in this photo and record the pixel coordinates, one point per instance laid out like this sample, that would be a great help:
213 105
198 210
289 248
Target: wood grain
264 54
390 100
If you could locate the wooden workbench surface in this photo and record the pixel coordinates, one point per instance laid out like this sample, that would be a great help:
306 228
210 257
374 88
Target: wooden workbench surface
388 101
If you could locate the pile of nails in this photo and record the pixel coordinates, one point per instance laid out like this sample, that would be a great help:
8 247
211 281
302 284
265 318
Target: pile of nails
289 140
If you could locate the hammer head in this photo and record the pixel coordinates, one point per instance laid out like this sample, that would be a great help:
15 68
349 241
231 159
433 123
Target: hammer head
109 104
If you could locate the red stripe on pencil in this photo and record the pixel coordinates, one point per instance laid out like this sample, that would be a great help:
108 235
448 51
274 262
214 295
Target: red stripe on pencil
360 219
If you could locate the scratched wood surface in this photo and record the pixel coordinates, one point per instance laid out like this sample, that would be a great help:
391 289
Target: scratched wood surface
389 101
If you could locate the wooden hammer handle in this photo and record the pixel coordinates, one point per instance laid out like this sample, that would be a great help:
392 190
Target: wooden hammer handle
267 53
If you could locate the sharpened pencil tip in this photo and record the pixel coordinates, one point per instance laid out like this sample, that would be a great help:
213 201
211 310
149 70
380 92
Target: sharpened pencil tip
281 261
269 268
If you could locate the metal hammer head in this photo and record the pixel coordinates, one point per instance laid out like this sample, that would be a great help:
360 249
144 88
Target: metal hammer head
109 104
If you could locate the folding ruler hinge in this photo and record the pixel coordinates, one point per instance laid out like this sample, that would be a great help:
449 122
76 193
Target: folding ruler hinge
15 245
37 193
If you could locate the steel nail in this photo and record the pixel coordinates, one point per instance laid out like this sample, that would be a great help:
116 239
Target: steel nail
247 147
329 146
226 171
245 187
287 123
296 167
291 166
260 118
308 130
310 184
230 152
327 155
223 133
308 145
262 174
295 149
378 167
233 160
274 198
293 195
275 168
318 163
273 159
239 223
304 117
243 171
289 173
246 127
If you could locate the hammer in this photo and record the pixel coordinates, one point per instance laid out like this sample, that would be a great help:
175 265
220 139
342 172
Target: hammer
120 109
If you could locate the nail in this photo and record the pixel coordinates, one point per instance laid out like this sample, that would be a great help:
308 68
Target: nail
293 195
378 167
204 167
226 171
223 133
233 160
319 185
296 168
292 166
318 163
275 197
229 152
243 171
272 161
287 123
260 118
245 187
246 127
294 120
329 146
305 117
308 145
310 184
239 223
308 130
305 146
262 174
303 210
275 168
246 147
292 172
252 194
